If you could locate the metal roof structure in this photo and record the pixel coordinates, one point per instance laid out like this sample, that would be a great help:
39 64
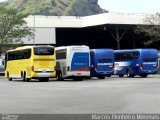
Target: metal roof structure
47 28
54 21
79 22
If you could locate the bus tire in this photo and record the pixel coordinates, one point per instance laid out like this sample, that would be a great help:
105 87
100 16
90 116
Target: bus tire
101 77
28 79
144 75
9 79
121 75
59 76
24 77
129 73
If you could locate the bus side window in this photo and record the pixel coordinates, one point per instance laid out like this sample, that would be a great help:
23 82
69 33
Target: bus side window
115 56
10 56
129 56
124 56
118 56
61 54
135 55
26 54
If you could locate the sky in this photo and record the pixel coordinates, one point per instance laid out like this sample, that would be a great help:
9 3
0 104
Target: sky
129 6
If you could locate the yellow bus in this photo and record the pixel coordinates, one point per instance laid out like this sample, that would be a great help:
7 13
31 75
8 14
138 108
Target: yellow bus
30 62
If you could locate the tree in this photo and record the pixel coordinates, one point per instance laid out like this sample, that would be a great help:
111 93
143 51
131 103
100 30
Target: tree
150 29
12 28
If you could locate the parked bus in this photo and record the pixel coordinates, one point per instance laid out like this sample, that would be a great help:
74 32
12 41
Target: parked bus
73 62
102 62
27 62
136 62
159 62
2 64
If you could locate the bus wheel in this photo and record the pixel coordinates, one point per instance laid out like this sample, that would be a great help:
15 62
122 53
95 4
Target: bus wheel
129 74
59 75
24 78
28 79
10 79
144 75
101 77
121 75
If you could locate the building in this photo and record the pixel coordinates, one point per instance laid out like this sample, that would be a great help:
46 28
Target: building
94 30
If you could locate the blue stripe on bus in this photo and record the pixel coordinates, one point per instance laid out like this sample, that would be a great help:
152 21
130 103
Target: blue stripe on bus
80 61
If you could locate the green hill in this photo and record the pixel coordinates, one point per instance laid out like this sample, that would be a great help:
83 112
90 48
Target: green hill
56 7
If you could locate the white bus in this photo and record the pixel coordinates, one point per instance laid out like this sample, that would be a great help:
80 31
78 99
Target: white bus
73 62
2 64
159 62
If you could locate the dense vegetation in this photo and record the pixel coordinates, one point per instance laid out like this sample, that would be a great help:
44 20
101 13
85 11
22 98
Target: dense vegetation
56 7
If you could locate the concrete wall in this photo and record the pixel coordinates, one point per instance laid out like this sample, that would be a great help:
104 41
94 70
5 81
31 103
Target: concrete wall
42 36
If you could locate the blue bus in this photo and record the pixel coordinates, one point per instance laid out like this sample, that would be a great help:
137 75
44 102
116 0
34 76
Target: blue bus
135 62
102 63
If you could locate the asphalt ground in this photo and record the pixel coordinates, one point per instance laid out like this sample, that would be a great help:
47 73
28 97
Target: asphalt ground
110 95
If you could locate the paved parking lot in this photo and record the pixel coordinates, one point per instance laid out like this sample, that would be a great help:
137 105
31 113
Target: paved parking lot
111 95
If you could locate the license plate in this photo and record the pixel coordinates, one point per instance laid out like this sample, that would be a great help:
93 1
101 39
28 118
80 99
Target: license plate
43 70
78 73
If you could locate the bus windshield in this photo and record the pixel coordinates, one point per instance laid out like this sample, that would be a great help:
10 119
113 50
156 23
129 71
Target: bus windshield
149 59
43 51
127 55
